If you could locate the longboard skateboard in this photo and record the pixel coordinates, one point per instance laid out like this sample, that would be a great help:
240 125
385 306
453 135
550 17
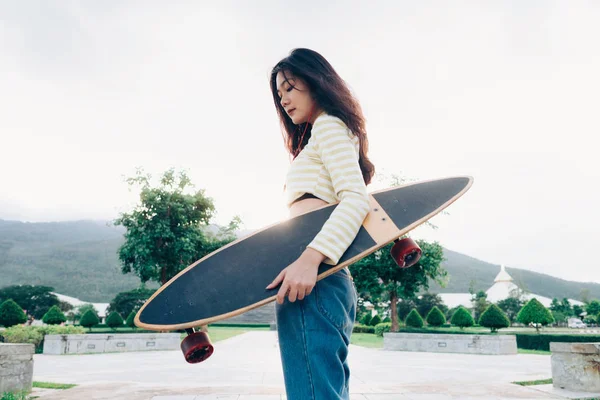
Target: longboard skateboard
232 279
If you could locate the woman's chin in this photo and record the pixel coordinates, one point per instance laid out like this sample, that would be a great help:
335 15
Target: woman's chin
298 121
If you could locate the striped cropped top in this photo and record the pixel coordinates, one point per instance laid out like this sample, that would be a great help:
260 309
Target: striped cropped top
328 168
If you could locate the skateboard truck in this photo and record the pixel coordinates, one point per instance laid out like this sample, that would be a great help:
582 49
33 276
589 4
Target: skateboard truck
406 252
196 346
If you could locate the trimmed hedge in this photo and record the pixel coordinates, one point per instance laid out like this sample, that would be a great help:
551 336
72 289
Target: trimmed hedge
457 331
360 328
435 317
35 334
376 320
534 341
414 319
383 327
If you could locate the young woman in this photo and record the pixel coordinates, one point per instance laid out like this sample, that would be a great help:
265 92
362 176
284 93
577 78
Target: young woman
324 132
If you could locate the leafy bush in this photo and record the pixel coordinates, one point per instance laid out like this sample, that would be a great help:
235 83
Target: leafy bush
89 319
462 318
534 312
382 327
61 330
534 341
387 319
360 328
435 317
23 334
54 316
414 319
11 314
22 395
114 320
494 318
366 320
375 320
35 334
437 331
131 320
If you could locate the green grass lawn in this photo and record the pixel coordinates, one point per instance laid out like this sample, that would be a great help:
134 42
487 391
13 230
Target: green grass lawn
367 340
533 383
537 352
50 385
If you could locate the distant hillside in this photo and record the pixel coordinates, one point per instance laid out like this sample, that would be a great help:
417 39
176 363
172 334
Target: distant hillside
463 269
79 259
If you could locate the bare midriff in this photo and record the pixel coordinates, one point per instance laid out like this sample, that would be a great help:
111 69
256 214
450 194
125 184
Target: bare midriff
306 205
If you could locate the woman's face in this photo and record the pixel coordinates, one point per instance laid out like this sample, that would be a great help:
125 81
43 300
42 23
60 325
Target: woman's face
295 98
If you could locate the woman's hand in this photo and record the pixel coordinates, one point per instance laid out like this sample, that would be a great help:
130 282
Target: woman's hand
299 278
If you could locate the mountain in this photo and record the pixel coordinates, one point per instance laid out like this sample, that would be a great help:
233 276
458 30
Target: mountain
79 259
464 269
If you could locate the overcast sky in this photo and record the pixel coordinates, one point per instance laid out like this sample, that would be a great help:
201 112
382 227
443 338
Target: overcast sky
506 92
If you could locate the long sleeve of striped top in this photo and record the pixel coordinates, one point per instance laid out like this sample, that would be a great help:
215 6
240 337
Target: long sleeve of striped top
330 170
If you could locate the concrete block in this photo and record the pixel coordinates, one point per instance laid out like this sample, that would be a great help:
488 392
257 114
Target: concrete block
16 367
450 343
110 343
576 366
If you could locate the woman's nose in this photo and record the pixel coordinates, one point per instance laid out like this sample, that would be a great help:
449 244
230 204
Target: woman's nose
284 101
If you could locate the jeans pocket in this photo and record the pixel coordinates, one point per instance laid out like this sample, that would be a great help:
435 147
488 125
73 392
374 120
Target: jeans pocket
336 299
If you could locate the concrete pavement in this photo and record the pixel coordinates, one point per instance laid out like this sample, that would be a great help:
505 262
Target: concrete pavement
248 367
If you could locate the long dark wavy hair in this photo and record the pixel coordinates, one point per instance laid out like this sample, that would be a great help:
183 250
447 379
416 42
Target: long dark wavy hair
331 95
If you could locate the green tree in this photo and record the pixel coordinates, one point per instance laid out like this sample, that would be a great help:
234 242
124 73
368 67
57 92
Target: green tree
577 310
535 313
114 320
494 318
559 316
462 318
480 303
404 307
125 302
414 320
427 301
76 313
366 320
164 233
11 314
555 305
375 320
36 300
131 320
435 317
378 277
511 307
451 312
89 319
566 307
593 307
65 307
54 316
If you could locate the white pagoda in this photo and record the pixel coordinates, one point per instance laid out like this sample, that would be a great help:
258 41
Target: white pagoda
503 288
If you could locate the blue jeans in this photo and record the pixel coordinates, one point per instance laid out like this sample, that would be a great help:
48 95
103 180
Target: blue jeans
314 335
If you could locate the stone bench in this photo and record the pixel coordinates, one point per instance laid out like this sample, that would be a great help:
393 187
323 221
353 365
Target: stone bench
16 367
576 366
450 343
109 343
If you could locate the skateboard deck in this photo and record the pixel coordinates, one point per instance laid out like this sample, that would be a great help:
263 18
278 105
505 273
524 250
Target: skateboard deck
232 280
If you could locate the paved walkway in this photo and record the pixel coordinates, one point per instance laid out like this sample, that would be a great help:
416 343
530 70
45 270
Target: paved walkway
247 367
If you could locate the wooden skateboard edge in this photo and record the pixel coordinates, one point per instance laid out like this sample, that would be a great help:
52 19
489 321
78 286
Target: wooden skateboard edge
325 274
